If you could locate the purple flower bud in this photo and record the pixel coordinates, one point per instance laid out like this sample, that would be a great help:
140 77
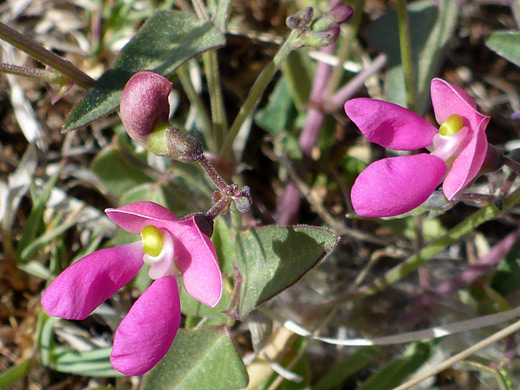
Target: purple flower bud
341 13
324 37
144 104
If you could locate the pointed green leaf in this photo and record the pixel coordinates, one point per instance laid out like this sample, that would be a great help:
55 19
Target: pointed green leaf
342 370
15 373
270 259
397 370
224 245
199 359
165 42
122 175
505 44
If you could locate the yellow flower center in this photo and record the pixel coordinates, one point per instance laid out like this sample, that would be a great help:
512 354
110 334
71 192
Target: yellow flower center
451 125
152 240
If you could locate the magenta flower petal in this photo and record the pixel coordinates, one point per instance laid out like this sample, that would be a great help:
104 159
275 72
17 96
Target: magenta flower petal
135 216
90 281
448 99
396 185
467 163
390 125
197 261
195 254
146 333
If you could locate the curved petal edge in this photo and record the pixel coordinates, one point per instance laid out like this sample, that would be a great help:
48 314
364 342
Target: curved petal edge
396 185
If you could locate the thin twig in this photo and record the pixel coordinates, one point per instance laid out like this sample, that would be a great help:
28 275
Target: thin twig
45 56
460 356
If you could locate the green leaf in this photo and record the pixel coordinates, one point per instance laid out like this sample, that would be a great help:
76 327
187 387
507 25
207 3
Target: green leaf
15 373
270 259
346 368
153 192
35 221
190 306
505 44
165 42
224 245
278 116
122 175
298 70
507 277
199 359
431 27
396 371
94 363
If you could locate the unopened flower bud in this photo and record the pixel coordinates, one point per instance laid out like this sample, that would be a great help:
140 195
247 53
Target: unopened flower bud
144 104
292 22
337 15
323 38
341 13
306 15
182 146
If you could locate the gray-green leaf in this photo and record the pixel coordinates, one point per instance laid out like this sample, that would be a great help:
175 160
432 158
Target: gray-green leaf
199 359
505 44
270 259
165 42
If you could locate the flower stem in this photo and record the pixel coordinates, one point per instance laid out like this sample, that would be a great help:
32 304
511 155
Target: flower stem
345 46
515 166
406 54
212 173
195 99
35 73
403 269
45 56
218 112
258 88
412 263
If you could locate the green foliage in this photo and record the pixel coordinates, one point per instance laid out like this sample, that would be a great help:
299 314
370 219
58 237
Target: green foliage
199 359
344 369
507 276
505 44
397 370
165 42
270 259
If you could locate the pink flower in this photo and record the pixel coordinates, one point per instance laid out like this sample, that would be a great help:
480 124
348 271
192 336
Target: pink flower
396 185
167 244
144 104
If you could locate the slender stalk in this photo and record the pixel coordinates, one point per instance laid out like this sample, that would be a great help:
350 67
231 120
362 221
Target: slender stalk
258 88
515 166
412 263
345 46
346 92
460 356
195 99
45 56
200 9
218 111
35 73
212 173
315 116
406 54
